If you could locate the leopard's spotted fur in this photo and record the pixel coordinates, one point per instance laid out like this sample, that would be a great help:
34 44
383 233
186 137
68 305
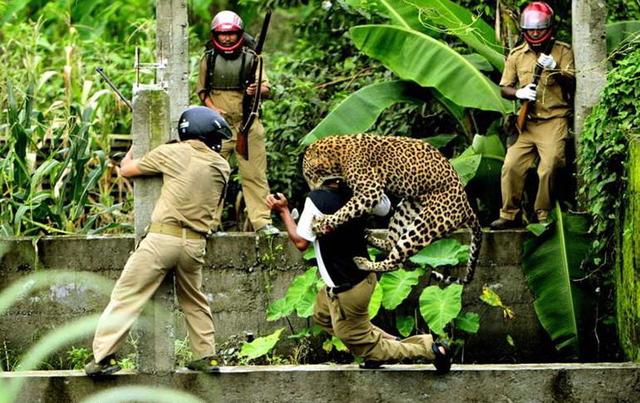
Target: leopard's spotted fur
433 203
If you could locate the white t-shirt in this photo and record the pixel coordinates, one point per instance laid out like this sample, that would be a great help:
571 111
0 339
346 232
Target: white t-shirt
304 230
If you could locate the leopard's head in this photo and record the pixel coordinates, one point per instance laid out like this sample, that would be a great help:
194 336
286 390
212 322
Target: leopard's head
321 164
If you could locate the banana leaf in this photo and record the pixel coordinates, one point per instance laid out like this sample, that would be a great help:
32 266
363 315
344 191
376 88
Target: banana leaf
359 111
420 15
551 264
431 63
621 31
482 161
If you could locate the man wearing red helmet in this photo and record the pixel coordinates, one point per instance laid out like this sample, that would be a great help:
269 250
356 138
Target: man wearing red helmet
222 82
547 123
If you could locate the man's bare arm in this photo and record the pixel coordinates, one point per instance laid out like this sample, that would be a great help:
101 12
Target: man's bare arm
129 167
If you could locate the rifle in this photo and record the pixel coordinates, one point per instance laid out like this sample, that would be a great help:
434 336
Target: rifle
523 113
251 104
100 71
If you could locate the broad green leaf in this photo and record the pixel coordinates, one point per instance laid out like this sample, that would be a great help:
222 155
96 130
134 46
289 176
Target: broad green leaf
621 31
439 306
537 229
304 308
468 322
359 111
260 346
443 252
455 19
332 343
440 140
309 253
551 264
279 309
482 161
376 301
405 325
478 61
397 285
431 63
467 165
300 286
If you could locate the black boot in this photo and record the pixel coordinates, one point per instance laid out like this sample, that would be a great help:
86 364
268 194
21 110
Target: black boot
503 223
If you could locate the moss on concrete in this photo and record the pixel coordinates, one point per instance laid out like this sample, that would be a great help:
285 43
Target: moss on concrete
627 273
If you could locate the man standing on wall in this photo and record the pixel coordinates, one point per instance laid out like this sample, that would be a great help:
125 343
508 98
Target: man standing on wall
194 179
342 307
224 72
546 125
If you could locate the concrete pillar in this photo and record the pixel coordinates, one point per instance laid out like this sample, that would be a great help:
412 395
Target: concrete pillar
172 43
151 128
590 51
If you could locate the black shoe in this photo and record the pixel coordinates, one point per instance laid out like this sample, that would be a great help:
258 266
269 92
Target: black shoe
370 364
442 361
209 365
107 366
503 223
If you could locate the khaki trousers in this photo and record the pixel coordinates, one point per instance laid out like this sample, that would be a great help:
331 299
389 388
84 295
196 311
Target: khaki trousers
543 138
346 316
141 276
253 175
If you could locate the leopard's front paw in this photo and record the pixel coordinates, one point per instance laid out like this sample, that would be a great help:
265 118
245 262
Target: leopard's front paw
364 264
321 226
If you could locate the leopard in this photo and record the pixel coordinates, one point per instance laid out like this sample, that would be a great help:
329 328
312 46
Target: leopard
433 201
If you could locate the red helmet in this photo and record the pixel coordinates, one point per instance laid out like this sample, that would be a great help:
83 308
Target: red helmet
227 22
537 15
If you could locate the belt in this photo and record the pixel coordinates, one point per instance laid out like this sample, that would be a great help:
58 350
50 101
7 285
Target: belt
333 291
175 230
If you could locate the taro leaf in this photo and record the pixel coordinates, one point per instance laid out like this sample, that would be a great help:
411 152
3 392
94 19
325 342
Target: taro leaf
468 322
440 140
405 325
279 309
440 306
300 286
431 63
376 301
456 20
304 308
443 252
359 111
332 343
551 264
310 253
260 346
621 31
397 285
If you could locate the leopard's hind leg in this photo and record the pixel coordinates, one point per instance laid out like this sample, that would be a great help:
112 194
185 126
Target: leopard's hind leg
403 215
437 216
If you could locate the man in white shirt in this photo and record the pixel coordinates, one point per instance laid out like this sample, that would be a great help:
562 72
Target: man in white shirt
341 308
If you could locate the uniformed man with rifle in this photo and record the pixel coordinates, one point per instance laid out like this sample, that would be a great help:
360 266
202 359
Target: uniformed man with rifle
232 82
540 73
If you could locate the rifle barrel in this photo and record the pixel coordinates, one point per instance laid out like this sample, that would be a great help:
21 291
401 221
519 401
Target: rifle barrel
100 71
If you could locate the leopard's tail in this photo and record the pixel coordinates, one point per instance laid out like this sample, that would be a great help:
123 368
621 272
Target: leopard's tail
474 247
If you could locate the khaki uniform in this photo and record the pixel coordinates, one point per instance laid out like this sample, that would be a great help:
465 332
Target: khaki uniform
546 130
346 316
253 172
194 180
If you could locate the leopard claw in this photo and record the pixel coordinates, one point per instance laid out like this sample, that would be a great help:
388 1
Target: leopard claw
364 264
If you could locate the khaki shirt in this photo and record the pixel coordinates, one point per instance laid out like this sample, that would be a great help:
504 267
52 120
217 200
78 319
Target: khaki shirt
194 179
229 101
519 70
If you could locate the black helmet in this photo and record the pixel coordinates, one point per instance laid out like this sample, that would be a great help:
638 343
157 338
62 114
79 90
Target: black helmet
204 124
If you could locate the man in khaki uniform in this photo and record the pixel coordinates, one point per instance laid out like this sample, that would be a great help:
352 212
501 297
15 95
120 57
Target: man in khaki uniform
194 181
222 78
546 129
342 307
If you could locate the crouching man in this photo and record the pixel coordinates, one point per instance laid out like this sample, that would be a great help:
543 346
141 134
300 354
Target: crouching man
194 181
341 308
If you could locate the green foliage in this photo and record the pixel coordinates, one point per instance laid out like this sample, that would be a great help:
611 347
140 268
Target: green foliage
490 297
334 343
376 301
602 161
443 252
621 32
78 357
440 306
260 346
405 325
467 322
397 285
552 266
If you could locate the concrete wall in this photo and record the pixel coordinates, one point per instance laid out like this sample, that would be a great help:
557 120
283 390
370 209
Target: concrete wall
338 383
627 272
242 276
